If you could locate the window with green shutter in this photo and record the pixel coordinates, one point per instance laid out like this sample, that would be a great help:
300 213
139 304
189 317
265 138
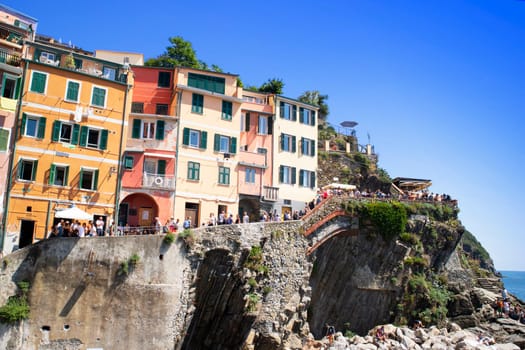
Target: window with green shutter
88 179
159 132
197 103
128 162
224 175
207 82
58 175
98 97
161 167
137 125
4 140
73 89
38 82
193 170
227 108
27 169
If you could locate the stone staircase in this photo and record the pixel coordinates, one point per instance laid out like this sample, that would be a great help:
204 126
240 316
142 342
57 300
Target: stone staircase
491 284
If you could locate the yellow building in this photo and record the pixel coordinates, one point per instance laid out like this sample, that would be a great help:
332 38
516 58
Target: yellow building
209 108
69 140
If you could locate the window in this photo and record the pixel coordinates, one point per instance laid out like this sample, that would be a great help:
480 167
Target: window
128 162
88 179
250 176
206 82
225 144
64 132
109 73
227 110
155 166
33 126
307 147
224 175
262 150
10 86
245 122
306 116
193 170
288 111
4 140
98 96
58 175
38 82
47 57
161 108
137 107
264 125
93 138
164 79
306 178
287 175
194 138
27 169
72 91
148 130
288 143
197 103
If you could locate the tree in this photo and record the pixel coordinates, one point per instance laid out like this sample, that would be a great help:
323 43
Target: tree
273 86
315 98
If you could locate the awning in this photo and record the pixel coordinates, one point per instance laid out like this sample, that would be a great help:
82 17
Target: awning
336 185
73 213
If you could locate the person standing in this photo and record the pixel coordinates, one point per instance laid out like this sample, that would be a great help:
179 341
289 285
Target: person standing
245 218
99 224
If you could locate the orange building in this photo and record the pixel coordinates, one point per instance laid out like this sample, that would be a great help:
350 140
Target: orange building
69 140
148 177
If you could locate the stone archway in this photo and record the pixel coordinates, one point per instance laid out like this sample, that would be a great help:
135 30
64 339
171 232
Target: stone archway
136 204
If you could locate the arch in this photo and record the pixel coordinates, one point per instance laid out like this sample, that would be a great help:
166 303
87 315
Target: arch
334 224
136 204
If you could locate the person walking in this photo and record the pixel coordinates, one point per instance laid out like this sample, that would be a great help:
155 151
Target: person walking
99 224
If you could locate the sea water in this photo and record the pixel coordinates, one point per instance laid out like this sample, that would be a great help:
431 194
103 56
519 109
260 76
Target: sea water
514 281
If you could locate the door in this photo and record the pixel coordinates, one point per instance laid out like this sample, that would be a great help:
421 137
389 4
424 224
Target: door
123 214
145 216
192 211
27 230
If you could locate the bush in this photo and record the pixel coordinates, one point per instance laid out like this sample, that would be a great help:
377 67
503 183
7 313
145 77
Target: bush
409 238
253 300
15 309
389 218
134 259
252 282
123 269
169 238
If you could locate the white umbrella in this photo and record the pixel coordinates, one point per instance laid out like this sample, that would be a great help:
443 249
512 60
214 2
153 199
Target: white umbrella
73 213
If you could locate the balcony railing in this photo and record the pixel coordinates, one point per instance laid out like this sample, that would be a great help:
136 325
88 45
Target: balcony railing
164 182
9 58
252 159
270 193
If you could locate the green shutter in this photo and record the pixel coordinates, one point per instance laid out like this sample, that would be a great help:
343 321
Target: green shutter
301 174
159 132
233 145
81 178
72 91
23 124
56 131
312 144
204 139
52 174
103 139
19 170
18 88
95 180
227 110
247 122
66 176
312 121
74 134
270 125
281 109
294 176
161 167
216 142
282 141
294 113
135 133
197 103
38 82
98 97
281 173
35 167
83 136
301 145
41 128
294 144
186 136
312 179
4 139
301 115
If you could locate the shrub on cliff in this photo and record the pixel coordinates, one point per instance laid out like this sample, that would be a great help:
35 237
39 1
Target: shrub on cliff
390 219
17 306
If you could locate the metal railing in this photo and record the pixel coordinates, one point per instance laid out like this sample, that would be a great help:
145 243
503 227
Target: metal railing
9 58
158 181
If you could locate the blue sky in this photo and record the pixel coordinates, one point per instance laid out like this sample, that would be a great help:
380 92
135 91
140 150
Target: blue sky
438 85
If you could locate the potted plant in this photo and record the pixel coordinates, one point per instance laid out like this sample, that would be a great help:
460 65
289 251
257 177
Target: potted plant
69 61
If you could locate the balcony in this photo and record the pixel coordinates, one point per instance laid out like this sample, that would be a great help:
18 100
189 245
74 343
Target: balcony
252 159
270 194
161 182
10 58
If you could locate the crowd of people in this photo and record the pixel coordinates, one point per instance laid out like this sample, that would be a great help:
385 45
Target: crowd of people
504 308
65 228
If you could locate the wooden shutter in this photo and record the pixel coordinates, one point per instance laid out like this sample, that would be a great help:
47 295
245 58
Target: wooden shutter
135 133
233 145
312 179
161 167
103 139
301 115
204 139
301 175
52 171
294 176
95 179
56 131
74 135
35 167
281 109
83 136
159 132
4 139
281 173
294 113
247 122
186 136
294 144
66 176
41 128
312 144
270 125
216 142
23 124
312 120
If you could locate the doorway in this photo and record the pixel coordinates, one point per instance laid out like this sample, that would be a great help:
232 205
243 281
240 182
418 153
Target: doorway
27 230
192 211
123 214
145 216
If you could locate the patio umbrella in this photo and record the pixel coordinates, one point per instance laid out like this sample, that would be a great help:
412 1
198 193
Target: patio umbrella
73 213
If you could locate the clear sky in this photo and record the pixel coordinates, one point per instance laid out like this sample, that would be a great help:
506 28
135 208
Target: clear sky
439 85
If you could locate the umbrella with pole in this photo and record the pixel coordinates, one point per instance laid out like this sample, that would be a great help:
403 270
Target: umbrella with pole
73 212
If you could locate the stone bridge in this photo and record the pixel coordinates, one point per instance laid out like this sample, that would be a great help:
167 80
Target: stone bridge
258 286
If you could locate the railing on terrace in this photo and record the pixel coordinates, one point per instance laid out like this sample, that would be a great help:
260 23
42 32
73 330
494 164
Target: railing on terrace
9 58
270 193
252 158
256 100
165 182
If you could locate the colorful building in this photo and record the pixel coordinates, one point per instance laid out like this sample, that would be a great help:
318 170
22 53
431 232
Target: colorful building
149 163
209 110
68 139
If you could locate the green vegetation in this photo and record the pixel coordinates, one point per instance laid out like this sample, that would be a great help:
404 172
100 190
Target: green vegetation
436 211
252 282
134 259
317 99
169 238
17 306
389 218
409 238
123 269
266 290
253 300
130 264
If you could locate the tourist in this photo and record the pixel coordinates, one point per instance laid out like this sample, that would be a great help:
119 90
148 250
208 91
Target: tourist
212 221
82 230
187 223
99 224
222 218
60 228
245 218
